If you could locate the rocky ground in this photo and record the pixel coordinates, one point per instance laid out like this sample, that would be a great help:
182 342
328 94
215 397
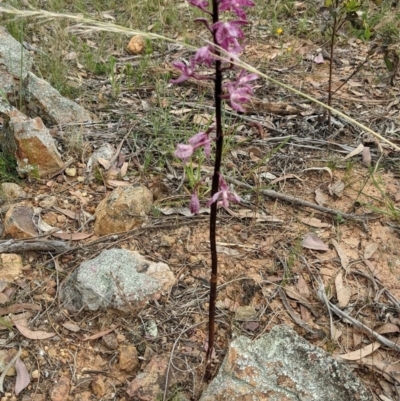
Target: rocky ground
119 187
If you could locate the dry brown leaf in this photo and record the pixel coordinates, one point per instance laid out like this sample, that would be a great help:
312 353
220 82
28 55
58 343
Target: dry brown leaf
72 236
124 169
375 270
69 213
305 314
202 119
286 177
19 308
303 287
337 189
320 197
357 338
370 249
311 241
366 156
180 111
117 183
343 293
8 321
32 335
343 258
43 226
336 333
100 334
360 353
314 222
250 214
387 328
382 365
23 379
320 168
79 195
71 327
103 162
355 152
293 294
3 298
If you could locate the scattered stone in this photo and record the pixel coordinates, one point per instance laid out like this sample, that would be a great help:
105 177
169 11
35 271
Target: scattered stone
31 143
84 396
105 152
136 45
35 374
10 266
10 191
98 386
149 385
111 342
70 172
123 210
167 240
128 358
151 328
245 313
38 397
18 222
45 101
113 279
60 391
48 202
282 366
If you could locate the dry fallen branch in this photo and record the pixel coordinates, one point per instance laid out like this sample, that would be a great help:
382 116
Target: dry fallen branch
12 246
301 202
359 325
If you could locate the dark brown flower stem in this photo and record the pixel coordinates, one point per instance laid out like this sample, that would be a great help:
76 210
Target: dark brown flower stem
214 190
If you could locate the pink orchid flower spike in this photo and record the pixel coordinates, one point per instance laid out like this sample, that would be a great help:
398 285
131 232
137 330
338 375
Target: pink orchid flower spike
194 204
225 194
202 139
235 6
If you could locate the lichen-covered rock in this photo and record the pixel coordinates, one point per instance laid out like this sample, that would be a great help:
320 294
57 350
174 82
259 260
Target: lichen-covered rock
282 366
15 63
116 278
42 99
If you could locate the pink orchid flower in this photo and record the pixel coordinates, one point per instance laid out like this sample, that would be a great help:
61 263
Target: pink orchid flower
225 194
235 6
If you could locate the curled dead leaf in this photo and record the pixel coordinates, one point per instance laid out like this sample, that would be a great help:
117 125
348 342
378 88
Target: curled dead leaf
32 335
23 379
311 241
361 353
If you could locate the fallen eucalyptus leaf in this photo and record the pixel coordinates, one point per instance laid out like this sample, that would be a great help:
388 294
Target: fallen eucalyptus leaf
22 380
311 241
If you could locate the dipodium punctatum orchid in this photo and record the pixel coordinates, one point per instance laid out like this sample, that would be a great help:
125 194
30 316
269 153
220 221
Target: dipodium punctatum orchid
227 36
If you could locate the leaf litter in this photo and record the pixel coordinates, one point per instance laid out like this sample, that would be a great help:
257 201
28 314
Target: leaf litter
265 235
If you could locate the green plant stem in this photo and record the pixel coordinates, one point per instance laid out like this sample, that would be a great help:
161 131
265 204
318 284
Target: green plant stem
214 190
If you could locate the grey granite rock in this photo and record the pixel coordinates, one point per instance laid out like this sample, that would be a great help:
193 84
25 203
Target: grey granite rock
282 366
116 278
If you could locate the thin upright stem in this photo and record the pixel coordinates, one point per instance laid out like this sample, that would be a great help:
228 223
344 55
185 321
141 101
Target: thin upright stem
214 190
